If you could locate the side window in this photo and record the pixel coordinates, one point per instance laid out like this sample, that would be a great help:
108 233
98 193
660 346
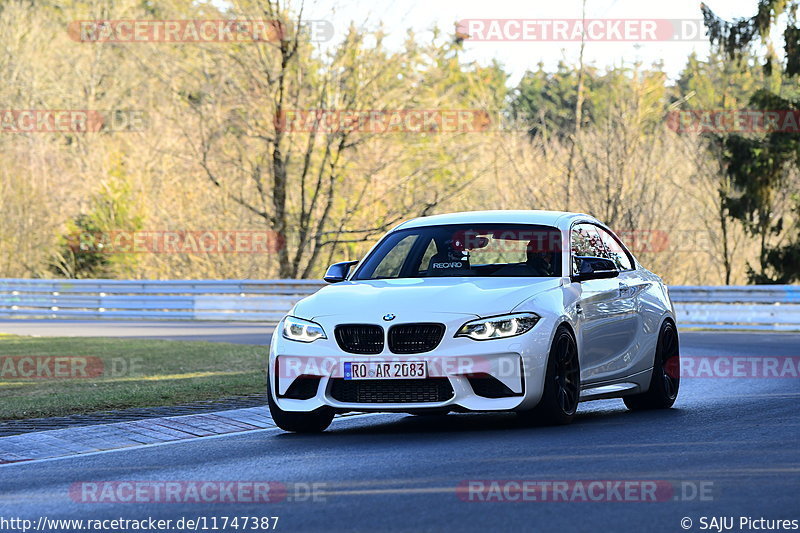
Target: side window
611 249
588 239
585 241
392 262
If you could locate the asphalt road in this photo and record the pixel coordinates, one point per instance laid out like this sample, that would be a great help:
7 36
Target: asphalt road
729 447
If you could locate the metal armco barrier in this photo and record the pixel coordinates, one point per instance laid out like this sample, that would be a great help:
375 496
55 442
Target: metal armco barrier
754 307
262 300
769 307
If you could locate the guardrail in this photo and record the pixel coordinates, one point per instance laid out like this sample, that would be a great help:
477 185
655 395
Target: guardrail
773 307
263 300
754 307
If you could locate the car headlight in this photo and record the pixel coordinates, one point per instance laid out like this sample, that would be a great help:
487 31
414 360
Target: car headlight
498 327
297 329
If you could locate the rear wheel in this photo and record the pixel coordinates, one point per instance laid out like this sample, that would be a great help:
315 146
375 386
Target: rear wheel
314 421
666 379
562 383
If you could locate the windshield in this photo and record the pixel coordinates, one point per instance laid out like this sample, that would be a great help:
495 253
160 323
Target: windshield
474 250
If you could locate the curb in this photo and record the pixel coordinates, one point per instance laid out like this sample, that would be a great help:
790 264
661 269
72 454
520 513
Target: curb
90 439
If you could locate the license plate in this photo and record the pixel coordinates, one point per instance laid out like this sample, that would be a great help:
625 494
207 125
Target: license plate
378 370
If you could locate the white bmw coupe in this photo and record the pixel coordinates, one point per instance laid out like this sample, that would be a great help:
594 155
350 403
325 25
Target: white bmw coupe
524 311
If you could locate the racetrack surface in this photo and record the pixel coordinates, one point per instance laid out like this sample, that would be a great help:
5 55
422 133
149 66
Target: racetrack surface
734 438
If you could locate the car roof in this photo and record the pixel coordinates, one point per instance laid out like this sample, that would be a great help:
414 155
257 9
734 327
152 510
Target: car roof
559 219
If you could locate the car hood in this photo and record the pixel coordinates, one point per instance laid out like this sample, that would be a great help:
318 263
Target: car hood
465 296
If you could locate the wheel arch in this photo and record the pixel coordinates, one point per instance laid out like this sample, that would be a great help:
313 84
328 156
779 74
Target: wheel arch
565 323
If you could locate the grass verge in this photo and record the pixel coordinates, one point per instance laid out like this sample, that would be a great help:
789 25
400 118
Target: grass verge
58 376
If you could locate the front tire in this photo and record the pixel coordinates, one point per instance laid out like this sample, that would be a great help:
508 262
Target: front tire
315 421
562 384
666 378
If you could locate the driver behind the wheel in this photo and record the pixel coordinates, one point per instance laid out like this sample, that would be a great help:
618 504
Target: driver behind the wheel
542 253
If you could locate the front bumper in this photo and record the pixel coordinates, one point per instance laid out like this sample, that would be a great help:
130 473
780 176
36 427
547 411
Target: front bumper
512 373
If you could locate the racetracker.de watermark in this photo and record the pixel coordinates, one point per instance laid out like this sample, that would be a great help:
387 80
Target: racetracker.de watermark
734 121
193 31
290 367
384 121
213 522
25 367
672 241
178 242
733 366
595 490
636 240
195 491
597 30
71 120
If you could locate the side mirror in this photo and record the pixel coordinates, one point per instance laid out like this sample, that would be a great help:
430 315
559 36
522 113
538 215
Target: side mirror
594 268
338 271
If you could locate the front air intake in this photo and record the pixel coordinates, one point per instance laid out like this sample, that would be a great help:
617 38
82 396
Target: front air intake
415 338
363 339
489 386
391 390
